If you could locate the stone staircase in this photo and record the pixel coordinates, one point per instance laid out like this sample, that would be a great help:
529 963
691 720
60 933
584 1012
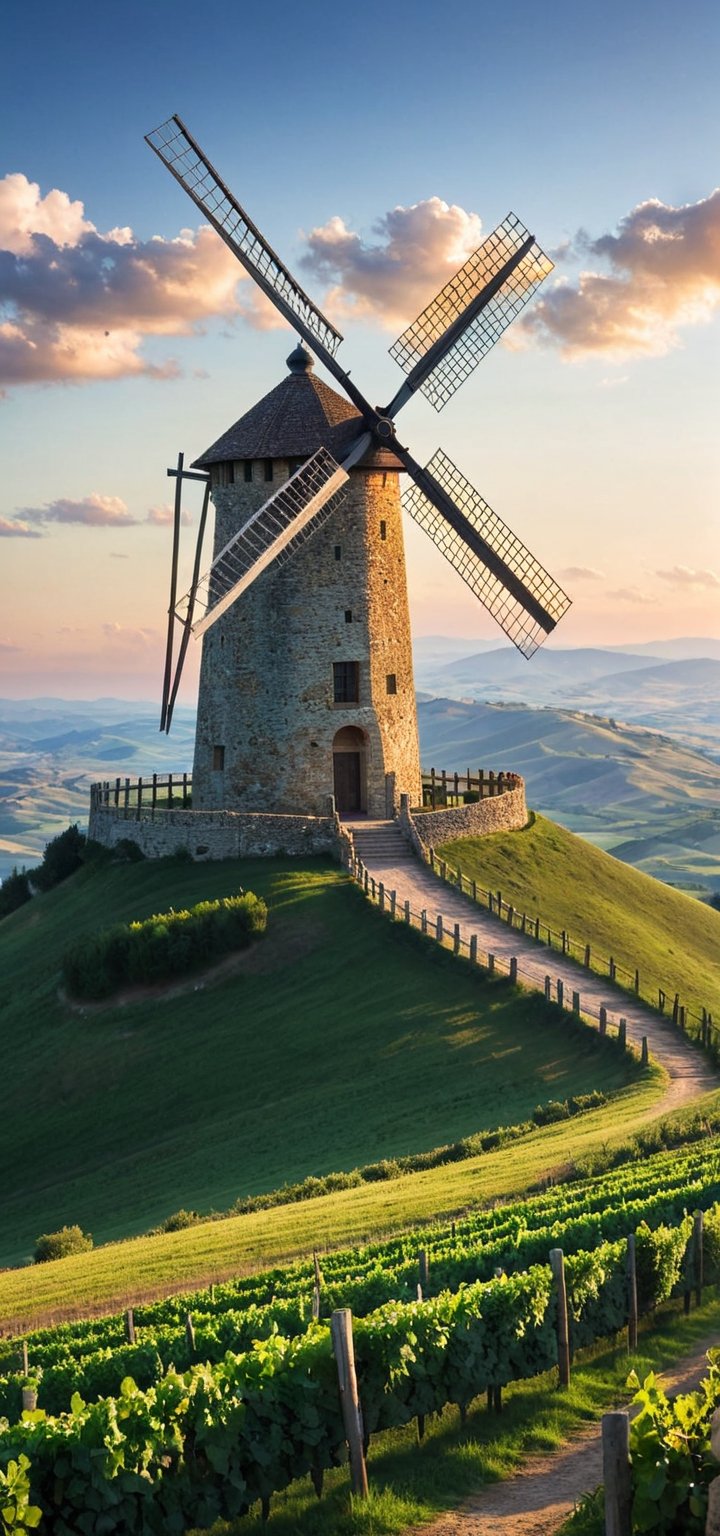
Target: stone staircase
380 844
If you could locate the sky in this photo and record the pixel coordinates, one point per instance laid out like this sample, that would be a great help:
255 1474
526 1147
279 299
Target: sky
375 146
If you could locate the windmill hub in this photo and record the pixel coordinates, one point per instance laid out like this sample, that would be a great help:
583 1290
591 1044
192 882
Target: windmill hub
384 428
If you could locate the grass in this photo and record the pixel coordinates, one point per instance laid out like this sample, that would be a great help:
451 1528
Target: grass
411 1484
546 871
341 1039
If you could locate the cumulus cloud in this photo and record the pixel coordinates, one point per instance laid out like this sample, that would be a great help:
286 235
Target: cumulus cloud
14 528
682 576
76 304
659 272
128 635
580 573
415 251
162 516
95 511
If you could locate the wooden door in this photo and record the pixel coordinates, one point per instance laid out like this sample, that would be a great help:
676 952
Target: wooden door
346 774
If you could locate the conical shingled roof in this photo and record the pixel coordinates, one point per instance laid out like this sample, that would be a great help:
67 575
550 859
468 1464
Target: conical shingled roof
299 416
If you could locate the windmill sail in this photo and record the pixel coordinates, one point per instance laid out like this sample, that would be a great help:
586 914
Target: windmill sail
184 158
465 319
508 580
268 537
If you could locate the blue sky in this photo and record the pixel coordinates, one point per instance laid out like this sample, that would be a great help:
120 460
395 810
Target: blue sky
603 459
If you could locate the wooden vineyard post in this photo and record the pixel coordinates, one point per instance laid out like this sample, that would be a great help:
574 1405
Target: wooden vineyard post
557 1265
473 948
548 989
698 1264
316 1303
456 939
25 1361
560 992
342 1340
513 969
130 1326
632 1295
616 1473
439 931
316 1267
190 1333
424 1270
603 1020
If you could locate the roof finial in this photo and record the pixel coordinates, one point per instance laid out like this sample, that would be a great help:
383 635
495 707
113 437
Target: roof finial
301 361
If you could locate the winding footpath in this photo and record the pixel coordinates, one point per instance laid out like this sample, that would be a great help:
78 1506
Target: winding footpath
388 858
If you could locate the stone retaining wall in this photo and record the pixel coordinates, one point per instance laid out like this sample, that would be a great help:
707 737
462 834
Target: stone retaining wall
215 834
499 813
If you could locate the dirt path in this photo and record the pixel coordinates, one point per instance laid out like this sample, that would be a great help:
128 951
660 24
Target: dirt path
388 858
537 1498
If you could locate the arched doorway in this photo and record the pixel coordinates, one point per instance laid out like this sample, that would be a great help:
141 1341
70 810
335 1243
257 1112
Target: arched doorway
350 770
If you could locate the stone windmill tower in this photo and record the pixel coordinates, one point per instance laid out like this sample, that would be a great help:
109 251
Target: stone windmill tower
306 683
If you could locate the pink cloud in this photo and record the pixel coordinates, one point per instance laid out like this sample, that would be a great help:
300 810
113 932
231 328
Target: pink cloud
14 528
94 511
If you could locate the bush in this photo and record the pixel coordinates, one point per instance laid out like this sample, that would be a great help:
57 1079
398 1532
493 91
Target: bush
179 1221
166 945
14 892
62 856
57 1245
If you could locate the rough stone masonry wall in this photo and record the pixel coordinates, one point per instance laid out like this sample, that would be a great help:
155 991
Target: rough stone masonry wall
215 834
266 681
499 813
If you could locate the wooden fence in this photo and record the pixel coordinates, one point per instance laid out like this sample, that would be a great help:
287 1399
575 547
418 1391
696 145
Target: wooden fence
138 795
440 790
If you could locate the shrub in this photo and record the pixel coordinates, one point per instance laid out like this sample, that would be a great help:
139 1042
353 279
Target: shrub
179 1221
62 856
14 892
165 945
57 1245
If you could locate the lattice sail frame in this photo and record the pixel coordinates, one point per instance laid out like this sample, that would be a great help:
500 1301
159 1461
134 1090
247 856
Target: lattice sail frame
187 163
270 536
524 630
487 327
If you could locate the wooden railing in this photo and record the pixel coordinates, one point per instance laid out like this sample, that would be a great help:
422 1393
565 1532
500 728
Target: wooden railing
451 789
133 796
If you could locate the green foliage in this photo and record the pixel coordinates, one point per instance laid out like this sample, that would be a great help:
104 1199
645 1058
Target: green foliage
167 944
57 1245
670 1455
62 857
17 1514
180 1220
14 892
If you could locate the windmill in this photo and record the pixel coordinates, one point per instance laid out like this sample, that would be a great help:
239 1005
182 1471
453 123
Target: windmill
437 353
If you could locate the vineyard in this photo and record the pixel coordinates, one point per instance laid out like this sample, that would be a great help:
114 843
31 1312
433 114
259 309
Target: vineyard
226 1395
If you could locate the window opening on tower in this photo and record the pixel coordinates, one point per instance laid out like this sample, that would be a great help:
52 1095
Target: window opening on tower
248 469
268 469
218 759
346 682
383 529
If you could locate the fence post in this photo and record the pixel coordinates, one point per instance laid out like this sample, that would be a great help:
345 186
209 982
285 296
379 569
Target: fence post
423 921
632 1295
576 1002
25 1361
473 948
424 1269
381 896
557 1265
560 992
548 989
586 961
564 941
511 916
622 1033
491 964
676 1007
698 1264
316 1303
474 890
637 983
342 1340
393 902
513 969
661 1000
439 934
644 1052
190 1333
139 795
406 910
603 1019
456 939
537 929
616 1473
126 796
130 1326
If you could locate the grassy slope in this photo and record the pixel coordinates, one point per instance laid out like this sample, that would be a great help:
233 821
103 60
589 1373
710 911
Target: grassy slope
341 1041
545 870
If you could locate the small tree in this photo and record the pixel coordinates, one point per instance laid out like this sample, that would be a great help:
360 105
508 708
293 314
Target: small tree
57 1245
62 856
14 892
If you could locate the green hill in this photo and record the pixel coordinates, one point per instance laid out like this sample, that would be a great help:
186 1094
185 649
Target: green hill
546 871
338 1040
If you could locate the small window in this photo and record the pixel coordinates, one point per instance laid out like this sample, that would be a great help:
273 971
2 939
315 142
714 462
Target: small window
248 469
383 529
346 682
231 474
338 552
348 615
218 759
268 469
391 682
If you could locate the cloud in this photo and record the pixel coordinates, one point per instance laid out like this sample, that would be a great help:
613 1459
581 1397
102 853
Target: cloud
682 576
630 595
5 645
94 511
76 304
660 272
417 249
162 516
128 635
580 573
13 528
116 555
